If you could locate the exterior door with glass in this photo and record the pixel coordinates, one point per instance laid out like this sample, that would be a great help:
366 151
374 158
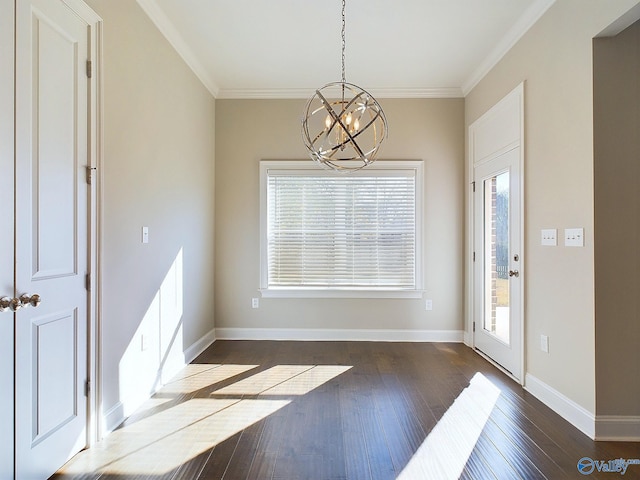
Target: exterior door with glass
496 257
498 321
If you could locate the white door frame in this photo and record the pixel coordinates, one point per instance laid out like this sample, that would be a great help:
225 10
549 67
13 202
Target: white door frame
511 136
95 428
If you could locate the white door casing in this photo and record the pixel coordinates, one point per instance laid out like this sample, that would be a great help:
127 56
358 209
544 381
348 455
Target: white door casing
496 145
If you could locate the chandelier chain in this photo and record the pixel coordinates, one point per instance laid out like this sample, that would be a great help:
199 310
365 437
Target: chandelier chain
343 41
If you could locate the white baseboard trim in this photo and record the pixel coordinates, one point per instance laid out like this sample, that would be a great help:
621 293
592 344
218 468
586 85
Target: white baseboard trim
125 407
311 334
112 418
578 416
200 346
618 428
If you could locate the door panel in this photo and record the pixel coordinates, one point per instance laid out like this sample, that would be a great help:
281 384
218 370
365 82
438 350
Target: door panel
53 350
51 235
6 236
55 146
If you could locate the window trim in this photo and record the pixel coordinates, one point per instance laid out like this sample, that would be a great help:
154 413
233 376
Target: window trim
297 166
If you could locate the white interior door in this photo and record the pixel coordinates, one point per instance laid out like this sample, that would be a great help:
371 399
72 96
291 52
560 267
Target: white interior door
6 237
496 143
498 321
52 109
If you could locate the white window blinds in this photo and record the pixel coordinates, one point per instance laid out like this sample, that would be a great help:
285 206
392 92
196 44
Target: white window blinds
328 231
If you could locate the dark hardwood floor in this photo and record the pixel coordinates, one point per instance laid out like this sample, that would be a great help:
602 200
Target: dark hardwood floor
344 410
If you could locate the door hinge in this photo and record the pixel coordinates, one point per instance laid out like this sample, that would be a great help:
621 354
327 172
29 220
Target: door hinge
87 282
473 185
474 326
474 256
89 173
87 387
89 69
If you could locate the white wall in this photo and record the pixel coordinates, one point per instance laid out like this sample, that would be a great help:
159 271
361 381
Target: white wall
157 171
250 130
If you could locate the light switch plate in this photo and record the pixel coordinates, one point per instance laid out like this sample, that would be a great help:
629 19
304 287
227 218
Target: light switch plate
549 237
544 343
574 237
145 234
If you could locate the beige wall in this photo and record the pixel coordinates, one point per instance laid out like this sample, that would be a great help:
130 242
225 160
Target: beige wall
617 222
157 171
250 130
554 59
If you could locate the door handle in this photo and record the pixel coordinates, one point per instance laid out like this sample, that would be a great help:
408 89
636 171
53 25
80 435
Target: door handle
13 304
30 300
5 303
514 273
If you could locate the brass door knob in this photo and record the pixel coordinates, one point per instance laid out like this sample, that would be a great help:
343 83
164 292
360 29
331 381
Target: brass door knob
30 300
5 303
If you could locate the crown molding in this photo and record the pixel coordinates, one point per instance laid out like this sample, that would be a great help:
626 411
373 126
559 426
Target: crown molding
515 33
162 22
298 93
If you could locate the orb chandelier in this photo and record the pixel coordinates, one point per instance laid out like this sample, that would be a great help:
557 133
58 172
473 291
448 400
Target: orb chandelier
343 125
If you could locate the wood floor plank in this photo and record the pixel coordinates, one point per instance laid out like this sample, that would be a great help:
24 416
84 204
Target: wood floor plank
267 410
217 463
476 469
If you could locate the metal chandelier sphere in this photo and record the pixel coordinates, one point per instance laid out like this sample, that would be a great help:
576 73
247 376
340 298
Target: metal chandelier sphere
343 125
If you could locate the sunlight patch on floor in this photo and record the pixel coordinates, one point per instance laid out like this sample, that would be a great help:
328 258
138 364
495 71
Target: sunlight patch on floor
284 380
445 451
195 377
162 442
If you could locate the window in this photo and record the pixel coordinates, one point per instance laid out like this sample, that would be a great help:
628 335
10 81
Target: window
328 234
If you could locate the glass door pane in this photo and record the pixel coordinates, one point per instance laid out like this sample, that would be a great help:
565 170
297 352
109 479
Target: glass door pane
496 256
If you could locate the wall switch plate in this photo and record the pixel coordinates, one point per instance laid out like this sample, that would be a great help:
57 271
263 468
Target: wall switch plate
145 234
544 343
255 302
574 237
549 237
428 304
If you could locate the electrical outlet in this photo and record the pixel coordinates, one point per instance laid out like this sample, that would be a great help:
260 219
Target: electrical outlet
428 304
255 302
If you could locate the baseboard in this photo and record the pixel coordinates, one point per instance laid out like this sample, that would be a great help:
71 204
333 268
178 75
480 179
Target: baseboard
618 428
112 418
200 346
125 407
576 415
310 334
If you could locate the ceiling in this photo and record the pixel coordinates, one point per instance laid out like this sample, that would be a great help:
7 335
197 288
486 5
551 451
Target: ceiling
394 48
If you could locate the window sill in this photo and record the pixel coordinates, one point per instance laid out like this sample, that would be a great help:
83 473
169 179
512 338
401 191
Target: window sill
338 293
